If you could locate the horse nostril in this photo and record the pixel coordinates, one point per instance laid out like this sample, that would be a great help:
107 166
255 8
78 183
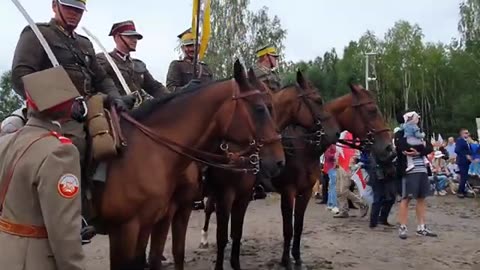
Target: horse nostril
389 148
281 164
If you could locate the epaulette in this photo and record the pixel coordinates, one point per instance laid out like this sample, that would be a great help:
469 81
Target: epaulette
40 25
62 139
139 65
82 36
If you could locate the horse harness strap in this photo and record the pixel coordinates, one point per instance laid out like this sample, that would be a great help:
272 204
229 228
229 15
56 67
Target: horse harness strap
30 231
186 151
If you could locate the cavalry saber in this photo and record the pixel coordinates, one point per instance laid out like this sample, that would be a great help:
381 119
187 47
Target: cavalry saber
109 59
37 33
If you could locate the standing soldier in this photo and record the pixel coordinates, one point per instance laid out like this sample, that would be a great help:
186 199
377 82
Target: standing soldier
74 52
40 207
134 71
180 73
265 70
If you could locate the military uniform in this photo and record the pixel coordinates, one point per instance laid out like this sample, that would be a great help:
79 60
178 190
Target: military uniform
40 207
134 71
268 76
76 54
180 72
265 74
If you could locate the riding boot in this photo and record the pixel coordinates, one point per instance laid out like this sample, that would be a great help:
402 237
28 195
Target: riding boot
259 193
87 232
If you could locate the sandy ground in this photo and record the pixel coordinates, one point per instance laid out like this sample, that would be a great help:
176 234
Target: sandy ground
338 243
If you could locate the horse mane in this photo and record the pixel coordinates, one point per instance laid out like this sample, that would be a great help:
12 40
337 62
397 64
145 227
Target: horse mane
149 106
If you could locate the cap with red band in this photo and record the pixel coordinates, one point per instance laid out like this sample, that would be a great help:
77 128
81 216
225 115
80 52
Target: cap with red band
125 28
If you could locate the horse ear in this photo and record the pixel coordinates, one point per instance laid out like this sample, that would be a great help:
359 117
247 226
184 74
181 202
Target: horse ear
239 75
301 80
251 76
355 88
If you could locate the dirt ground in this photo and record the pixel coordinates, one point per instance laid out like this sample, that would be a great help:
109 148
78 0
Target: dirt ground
330 243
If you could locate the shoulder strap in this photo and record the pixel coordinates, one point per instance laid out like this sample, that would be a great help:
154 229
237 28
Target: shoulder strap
8 177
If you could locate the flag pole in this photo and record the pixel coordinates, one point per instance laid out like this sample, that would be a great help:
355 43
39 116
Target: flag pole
197 30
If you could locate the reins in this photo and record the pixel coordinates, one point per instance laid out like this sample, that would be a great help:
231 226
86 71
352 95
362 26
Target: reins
247 160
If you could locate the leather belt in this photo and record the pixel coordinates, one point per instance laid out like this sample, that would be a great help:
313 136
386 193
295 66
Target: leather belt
29 231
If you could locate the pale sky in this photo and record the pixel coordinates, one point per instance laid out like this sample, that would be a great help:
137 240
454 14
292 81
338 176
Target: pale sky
314 26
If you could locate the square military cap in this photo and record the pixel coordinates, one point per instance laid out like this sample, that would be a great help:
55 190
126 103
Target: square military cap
267 49
187 37
49 88
125 28
80 4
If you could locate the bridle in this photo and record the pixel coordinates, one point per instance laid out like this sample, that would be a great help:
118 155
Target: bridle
371 133
245 160
316 133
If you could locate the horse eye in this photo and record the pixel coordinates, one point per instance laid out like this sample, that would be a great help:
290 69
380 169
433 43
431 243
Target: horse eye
260 109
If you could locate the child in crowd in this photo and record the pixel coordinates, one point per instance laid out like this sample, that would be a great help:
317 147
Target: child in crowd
415 137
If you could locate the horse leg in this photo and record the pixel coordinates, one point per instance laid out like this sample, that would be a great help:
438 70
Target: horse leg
224 207
238 216
140 255
209 209
179 232
288 200
123 246
158 239
301 204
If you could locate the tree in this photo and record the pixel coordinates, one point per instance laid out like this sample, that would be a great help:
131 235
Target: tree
10 100
237 32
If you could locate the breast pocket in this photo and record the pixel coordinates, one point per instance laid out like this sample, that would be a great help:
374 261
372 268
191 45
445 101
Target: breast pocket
63 54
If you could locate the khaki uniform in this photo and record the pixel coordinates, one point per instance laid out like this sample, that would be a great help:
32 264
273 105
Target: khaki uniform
134 72
180 73
44 192
269 77
76 54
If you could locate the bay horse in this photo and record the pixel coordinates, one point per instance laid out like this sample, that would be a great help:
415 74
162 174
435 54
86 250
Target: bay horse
231 192
164 135
356 112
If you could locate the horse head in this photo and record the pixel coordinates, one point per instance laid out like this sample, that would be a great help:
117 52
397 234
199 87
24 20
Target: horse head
311 113
365 121
247 120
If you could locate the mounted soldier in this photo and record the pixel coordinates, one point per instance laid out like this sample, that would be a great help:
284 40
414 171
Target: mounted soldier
134 71
265 71
266 68
180 73
45 45
40 203
74 52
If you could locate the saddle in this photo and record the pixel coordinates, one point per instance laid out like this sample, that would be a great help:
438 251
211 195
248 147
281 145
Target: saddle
105 134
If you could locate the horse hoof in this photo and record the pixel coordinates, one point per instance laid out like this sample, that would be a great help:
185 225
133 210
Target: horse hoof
298 262
235 265
203 245
287 263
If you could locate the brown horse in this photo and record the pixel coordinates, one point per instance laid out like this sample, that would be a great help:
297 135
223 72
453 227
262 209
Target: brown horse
145 184
356 112
295 105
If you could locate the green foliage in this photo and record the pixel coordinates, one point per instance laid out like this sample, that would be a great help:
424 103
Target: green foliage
439 81
9 100
237 32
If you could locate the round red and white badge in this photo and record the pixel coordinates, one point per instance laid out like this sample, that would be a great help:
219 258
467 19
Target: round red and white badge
68 186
